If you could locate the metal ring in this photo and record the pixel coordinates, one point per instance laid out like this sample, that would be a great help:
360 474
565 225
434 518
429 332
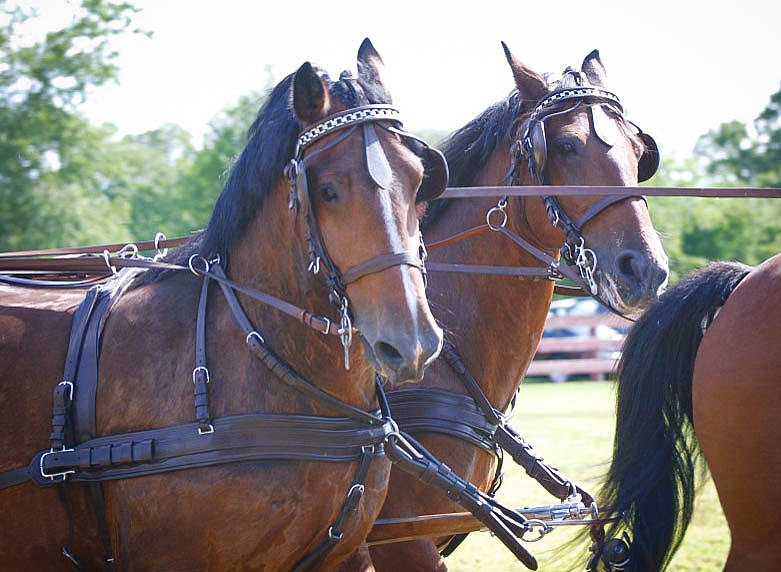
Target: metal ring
334 537
204 369
130 250
160 253
254 333
488 218
205 265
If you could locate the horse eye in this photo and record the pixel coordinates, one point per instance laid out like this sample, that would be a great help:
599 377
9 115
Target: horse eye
567 148
327 192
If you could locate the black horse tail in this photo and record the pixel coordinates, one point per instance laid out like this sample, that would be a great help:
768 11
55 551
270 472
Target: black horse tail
651 480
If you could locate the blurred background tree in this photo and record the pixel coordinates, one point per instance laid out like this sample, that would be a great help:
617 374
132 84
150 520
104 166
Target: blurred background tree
697 230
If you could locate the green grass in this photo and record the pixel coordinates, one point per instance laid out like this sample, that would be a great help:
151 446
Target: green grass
571 425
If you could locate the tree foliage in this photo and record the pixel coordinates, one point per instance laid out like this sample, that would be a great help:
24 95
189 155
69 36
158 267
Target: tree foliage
696 230
47 149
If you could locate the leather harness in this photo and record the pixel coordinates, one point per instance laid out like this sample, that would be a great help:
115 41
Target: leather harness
78 454
473 418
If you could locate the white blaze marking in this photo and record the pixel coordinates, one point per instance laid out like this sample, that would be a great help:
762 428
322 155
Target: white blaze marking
394 237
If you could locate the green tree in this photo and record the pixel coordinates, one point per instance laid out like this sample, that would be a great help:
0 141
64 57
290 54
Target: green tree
696 230
50 186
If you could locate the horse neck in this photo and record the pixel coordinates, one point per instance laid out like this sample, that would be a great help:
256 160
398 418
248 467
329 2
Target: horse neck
495 322
272 257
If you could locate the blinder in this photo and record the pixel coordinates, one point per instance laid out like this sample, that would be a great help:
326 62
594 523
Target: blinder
649 161
435 174
533 145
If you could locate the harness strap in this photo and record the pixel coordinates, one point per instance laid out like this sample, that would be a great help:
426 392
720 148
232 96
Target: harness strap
201 373
349 508
383 262
505 523
281 369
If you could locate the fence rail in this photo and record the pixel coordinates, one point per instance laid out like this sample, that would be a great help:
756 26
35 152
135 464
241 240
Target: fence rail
584 355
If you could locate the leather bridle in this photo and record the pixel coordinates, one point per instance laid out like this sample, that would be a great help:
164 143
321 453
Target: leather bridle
380 172
532 148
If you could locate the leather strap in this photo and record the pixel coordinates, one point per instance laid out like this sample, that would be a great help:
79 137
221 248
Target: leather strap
201 373
506 524
349 508
383 262
248 437
418 410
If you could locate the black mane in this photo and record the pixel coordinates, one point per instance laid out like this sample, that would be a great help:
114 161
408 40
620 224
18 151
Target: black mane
270 145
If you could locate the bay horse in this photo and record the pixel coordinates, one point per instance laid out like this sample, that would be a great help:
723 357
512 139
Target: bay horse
353 197
496 322
699 377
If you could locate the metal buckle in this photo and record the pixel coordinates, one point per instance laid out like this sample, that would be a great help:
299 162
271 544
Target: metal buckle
368 449
327 329
208 430
53 476
69 384
204 368
256 334
358 486
334 537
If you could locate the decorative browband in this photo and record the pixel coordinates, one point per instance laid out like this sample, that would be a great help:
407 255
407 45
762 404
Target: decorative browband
575 93
345 119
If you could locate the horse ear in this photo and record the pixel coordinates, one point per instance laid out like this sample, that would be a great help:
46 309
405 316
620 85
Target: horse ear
594 70
310 95
371 68
530 85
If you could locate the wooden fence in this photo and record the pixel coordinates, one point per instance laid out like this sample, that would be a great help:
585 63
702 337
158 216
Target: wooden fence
583 353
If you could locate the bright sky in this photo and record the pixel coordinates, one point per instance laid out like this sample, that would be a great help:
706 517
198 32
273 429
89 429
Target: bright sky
681 67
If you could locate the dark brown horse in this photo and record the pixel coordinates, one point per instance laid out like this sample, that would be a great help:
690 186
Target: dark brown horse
701 374
496 322
261 515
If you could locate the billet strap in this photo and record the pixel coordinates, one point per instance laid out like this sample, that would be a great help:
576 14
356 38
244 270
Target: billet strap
535 466
335 532
201 378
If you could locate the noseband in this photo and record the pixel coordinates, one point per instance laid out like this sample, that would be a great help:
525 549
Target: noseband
532 148
379 170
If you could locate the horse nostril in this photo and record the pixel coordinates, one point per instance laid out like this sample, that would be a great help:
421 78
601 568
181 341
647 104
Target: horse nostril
388 355
630 266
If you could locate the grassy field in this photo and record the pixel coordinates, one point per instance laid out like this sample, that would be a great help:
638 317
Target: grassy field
571 425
